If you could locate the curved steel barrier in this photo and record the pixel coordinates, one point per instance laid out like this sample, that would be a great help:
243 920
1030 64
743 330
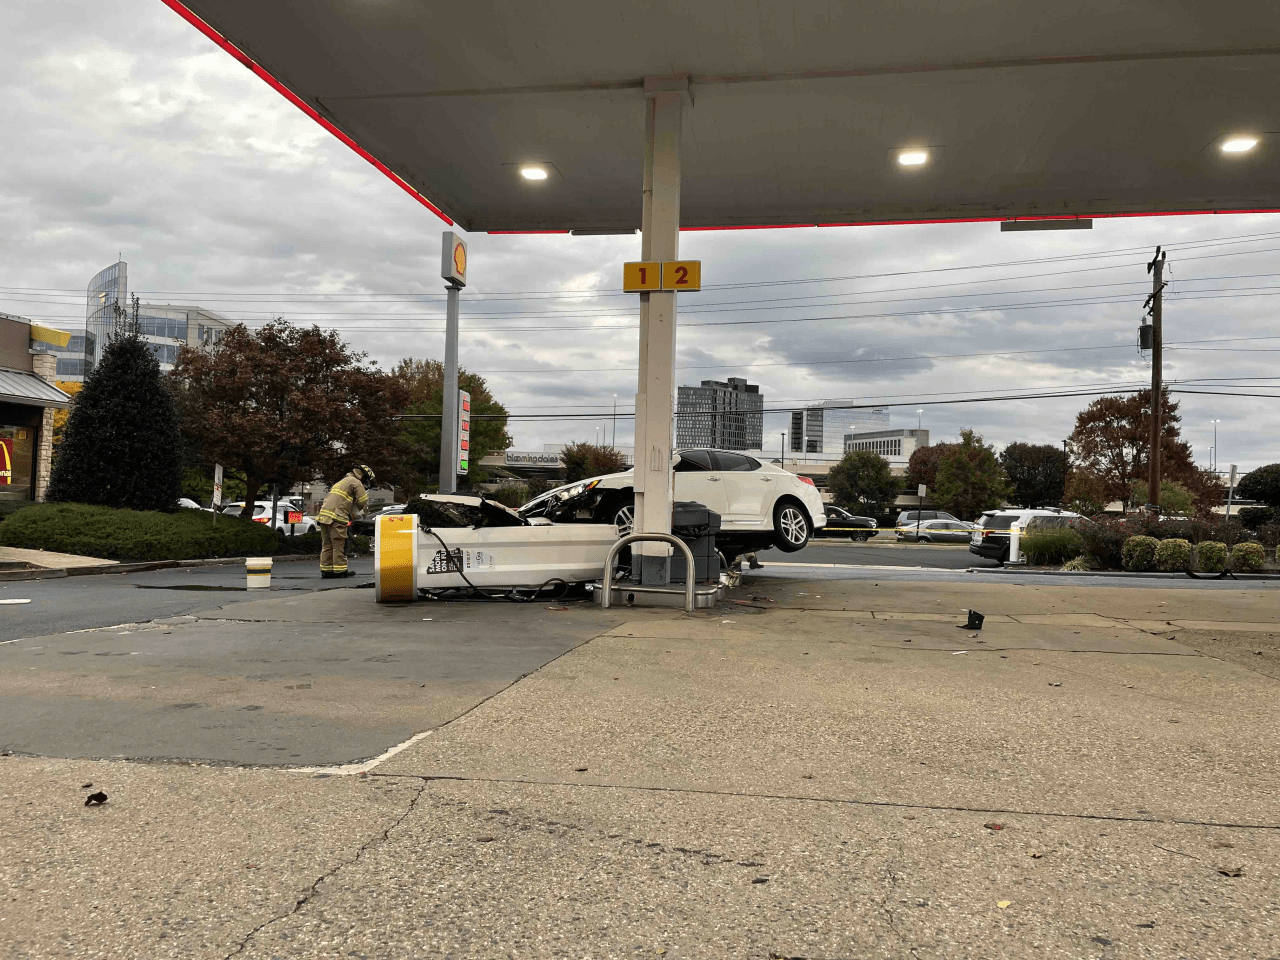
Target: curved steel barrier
690 568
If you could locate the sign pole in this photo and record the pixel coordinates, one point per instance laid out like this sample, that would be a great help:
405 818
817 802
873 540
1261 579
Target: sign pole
453 268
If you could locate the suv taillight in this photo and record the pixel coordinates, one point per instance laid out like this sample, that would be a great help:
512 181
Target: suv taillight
808 481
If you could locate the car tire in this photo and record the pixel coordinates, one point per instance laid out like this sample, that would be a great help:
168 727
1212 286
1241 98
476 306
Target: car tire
923 540
791 526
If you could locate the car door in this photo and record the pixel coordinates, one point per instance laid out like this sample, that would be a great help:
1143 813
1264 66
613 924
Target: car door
697 479
749 489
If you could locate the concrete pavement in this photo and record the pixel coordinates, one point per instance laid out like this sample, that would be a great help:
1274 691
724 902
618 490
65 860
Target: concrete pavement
819 776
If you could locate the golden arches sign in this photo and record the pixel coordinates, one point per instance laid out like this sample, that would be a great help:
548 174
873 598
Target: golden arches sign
6 462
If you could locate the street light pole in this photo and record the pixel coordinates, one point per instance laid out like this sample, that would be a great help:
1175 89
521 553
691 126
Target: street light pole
614 442
1214 465
919 420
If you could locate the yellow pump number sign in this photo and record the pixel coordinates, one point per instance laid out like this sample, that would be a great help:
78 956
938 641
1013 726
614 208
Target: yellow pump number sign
674 275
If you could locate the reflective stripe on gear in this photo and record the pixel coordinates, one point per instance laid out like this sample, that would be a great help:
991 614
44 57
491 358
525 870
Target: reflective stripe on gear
347 499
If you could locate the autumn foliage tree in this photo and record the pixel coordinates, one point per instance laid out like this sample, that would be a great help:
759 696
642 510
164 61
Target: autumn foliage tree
284 404
1111 448
969 478
923 465
583 460
420 439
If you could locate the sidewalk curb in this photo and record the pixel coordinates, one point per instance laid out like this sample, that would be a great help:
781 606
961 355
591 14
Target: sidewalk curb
58 573
1132 575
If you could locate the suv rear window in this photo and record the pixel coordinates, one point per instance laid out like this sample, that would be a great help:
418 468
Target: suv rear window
736 461
998 521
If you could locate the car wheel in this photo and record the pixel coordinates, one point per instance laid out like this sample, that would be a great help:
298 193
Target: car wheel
923 540
623 516
791 529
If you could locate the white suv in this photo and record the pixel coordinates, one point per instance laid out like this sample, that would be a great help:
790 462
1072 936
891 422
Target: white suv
760 504
290 520
991 539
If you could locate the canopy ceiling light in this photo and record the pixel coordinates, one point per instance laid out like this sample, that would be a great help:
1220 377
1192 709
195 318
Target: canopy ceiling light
1239 144
913 158
532 172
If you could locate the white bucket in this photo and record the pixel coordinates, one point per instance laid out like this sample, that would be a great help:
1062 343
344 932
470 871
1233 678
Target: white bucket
257 572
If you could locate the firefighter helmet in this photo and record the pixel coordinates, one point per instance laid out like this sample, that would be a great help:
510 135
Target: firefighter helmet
367 473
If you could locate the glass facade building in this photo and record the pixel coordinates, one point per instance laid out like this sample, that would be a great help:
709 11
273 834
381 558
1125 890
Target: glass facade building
165 327
722 415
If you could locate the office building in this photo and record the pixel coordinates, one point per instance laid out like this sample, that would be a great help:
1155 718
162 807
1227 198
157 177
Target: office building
166 327
724 415
893 445
808 425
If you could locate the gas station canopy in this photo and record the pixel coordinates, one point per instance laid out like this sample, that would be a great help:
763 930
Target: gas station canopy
801 111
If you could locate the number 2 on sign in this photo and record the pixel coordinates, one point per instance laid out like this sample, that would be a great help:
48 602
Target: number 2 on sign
682 275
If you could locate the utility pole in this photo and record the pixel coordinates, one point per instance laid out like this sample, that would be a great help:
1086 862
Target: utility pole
1156 269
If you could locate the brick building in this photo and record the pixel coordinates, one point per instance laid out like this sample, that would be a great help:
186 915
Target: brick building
28 399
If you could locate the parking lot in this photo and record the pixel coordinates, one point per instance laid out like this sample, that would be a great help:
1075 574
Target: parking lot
822 767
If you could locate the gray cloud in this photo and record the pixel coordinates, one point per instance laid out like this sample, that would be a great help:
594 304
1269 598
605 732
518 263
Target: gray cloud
149 141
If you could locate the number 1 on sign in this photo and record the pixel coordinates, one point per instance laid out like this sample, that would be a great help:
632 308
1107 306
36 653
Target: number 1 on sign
641 276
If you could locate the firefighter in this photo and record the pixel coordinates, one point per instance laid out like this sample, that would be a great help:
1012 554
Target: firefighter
346 501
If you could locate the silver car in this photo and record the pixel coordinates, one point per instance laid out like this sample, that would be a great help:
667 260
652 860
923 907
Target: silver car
936 531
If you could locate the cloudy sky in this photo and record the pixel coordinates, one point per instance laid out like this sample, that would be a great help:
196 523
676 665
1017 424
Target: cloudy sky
130 134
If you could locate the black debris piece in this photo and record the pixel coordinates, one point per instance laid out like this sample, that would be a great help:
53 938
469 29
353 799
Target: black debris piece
95 799
974 622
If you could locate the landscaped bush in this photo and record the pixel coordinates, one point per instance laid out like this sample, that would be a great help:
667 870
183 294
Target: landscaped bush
1247 557
9 507
1269 536
1051 546
510 495
1173 556
134 535
1103 541
1211 556
1080 564
1255 517
1139 553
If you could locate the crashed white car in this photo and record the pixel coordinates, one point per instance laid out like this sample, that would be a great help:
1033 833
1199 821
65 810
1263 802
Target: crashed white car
760 504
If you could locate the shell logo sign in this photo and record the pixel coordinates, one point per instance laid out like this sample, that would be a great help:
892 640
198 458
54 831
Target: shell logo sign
6 462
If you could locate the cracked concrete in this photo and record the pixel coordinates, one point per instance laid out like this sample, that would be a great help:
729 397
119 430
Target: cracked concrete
768 780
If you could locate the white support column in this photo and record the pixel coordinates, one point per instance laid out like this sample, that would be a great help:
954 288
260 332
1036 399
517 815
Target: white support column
656 388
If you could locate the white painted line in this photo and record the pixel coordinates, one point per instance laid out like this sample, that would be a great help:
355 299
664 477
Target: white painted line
347 769
851 566
15 601
19 640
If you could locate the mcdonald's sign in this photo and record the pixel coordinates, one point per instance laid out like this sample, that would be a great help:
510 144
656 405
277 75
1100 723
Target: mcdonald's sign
6 461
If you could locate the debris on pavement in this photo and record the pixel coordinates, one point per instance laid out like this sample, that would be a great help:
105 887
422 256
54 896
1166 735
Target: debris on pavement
994 826
85 786
1052 684
760 880
974 622
95 799
959 652
1231 871
1002 904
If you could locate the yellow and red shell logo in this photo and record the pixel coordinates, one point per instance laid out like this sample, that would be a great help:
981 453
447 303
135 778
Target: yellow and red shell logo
460 258
6 462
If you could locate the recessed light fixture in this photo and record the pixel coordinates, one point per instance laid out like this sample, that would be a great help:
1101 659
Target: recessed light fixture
1239 144
913 158
533 173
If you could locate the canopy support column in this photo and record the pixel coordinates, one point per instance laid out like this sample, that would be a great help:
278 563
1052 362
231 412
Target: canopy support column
660 241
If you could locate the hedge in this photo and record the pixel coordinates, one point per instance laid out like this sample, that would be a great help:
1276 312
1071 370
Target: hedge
1139 553
1053 546
135 535
1211 556
1247 557
1173 556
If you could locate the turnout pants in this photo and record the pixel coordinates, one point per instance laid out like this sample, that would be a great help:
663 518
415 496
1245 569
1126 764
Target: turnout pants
333 549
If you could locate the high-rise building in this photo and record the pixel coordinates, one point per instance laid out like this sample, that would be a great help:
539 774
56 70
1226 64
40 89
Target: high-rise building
807 425
724 415
894 445
166 327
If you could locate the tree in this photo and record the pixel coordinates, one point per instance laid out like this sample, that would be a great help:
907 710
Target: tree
862 481
1112 440
1174 497
1262 484
969 478
582 460
420 439
284 404
1036 473
923 465
121 446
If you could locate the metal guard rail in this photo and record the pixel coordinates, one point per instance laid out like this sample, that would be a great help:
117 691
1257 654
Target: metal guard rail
690 567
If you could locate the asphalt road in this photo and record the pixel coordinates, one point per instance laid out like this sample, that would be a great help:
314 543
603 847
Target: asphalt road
882 552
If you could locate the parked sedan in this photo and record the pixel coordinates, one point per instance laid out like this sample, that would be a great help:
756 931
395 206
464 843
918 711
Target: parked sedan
365 525
842 523
937 531
760 504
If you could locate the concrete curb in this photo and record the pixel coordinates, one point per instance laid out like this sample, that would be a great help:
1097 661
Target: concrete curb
1120 573
57 573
